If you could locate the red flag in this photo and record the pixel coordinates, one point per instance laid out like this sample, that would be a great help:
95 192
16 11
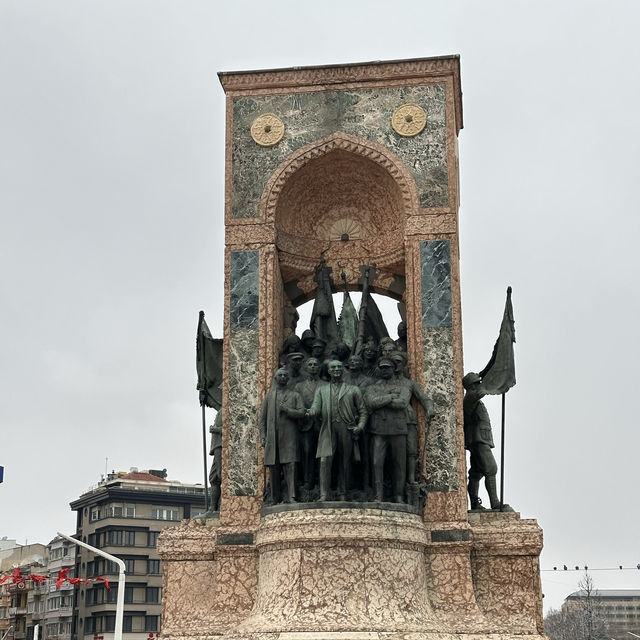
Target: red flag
16 576
62 577
36 578
5 578
106 582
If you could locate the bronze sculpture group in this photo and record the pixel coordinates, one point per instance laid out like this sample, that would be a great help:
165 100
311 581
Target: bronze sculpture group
339 425
338 422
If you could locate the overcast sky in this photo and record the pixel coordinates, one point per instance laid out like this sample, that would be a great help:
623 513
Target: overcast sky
111 237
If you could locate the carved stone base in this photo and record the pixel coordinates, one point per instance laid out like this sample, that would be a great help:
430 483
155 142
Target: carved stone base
354 574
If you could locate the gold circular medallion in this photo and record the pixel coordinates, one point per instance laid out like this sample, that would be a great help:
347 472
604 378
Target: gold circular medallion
267 129
409 120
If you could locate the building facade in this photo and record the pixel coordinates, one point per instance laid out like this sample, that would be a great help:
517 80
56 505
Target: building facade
618 608
124 516
22 604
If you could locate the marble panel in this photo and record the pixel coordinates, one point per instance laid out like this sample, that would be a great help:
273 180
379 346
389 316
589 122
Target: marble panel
243 372
243 416
243 289
437 345
435 272
365 113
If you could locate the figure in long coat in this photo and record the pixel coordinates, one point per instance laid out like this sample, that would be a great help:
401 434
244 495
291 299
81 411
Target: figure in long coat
282 408
343 416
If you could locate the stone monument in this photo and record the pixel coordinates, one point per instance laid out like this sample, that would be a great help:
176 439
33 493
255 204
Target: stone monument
347 172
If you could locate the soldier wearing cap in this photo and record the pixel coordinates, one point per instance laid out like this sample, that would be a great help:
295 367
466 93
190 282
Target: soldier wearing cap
387 399
478 439
400 362
308 337
294 367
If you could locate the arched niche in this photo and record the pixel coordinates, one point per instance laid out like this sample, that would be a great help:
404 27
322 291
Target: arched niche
345 201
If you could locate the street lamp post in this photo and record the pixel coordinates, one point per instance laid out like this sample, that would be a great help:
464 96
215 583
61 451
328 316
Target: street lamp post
117 634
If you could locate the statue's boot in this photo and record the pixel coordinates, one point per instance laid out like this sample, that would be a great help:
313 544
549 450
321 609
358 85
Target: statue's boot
474 486
215 497
490 484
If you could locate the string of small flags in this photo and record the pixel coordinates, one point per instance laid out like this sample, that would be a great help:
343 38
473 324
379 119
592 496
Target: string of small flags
18 579
564 567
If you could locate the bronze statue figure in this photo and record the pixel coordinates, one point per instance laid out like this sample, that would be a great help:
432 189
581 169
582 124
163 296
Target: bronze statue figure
282 408
309 425
215 473
343 415
478 439
388 401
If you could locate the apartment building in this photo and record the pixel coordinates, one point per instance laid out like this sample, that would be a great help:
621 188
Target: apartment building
620 608
17 620
124 515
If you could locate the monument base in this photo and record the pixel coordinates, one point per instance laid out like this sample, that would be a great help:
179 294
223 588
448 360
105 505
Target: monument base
353 574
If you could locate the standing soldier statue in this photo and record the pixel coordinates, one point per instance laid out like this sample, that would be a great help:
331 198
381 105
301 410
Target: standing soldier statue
478 439
215 450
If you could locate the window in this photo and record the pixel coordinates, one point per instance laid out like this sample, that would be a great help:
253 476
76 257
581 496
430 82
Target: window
112 596
151 623
92 539
129 538
152 538
109 623
158 513
115 538
130 512
126 623
128 595
116 511
95 514
90 625
111 567
129 565
153 568
152 594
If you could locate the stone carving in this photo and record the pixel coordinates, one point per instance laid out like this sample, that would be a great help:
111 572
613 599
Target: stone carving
409 120
267 130
478 439
282 408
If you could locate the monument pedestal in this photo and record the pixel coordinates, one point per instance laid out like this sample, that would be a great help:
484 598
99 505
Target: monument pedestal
353 574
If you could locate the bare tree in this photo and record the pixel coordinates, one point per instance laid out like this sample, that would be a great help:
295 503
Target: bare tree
580 617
